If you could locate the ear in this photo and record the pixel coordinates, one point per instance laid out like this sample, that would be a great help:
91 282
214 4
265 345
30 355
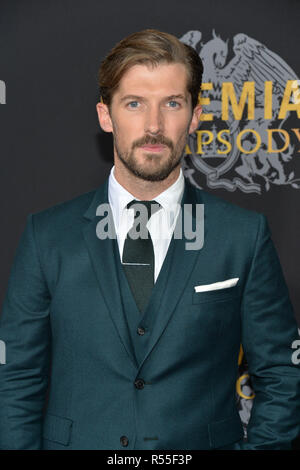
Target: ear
104 117
195 118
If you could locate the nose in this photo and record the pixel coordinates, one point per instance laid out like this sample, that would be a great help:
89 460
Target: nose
154 121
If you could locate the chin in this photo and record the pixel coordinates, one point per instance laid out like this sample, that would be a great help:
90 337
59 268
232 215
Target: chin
158 175
153 177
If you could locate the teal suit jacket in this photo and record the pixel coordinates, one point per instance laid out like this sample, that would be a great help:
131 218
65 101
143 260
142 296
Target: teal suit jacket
66 335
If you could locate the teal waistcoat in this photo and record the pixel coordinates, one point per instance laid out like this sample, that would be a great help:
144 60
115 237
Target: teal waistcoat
133 317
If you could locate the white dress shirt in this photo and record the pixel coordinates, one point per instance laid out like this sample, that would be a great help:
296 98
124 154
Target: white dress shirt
161 224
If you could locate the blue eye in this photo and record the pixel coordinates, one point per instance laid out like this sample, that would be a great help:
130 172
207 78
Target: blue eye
173 104
133 104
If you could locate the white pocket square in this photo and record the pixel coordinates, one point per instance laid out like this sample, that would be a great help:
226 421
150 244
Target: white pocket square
217 285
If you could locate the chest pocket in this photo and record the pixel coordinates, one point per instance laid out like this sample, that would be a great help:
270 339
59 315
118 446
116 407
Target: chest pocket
218 295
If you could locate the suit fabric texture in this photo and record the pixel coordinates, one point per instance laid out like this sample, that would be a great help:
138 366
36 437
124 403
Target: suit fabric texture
86 370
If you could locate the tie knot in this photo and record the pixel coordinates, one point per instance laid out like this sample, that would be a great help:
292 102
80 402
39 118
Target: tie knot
151 206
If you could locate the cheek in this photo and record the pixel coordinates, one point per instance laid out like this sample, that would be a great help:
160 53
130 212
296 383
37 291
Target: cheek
180 134
128 130
125 138
179 128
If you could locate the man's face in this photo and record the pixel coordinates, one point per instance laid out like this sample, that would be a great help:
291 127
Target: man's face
150 118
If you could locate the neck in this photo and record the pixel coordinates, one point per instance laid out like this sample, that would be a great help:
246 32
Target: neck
142 189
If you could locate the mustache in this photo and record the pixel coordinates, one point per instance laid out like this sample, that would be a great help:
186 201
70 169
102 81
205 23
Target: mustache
153 140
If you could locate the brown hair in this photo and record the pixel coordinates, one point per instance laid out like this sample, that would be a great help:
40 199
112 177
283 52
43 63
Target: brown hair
148 47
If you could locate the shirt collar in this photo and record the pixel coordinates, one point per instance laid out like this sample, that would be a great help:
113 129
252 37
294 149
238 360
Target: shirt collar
172 195
119 197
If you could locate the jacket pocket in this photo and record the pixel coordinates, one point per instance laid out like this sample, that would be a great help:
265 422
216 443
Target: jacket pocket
57 429
217 295
226 431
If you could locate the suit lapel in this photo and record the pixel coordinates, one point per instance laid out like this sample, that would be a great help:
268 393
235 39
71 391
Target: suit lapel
172 279
101 254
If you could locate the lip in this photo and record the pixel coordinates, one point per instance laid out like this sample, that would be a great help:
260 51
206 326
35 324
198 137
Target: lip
153 148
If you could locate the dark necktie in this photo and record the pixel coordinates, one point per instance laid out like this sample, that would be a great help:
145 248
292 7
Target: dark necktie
138 253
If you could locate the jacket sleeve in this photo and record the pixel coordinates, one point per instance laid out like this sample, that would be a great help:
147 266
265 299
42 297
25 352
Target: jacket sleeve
25 334
268 330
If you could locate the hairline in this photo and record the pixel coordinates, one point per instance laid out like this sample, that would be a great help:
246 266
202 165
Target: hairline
153 64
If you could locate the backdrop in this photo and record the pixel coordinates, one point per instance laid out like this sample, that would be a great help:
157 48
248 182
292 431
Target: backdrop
246 150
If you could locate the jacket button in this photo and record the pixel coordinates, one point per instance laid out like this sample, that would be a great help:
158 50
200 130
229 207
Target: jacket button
139 384
141 331
124 441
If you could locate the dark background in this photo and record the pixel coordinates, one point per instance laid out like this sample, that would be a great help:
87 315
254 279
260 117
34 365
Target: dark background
51 146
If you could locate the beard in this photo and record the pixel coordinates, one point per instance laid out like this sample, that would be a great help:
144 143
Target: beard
163 165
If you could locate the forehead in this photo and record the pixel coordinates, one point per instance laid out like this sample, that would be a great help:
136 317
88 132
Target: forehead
163 79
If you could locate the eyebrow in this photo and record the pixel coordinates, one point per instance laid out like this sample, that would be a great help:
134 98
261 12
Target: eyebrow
136 97
177 97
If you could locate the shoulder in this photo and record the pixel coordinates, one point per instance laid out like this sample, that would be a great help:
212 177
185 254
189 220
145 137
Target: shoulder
64 214
219 203
229 215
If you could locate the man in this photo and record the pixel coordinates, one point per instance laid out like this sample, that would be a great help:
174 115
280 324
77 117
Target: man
137 339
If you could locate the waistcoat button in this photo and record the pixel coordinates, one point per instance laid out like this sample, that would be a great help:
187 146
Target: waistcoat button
139 384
